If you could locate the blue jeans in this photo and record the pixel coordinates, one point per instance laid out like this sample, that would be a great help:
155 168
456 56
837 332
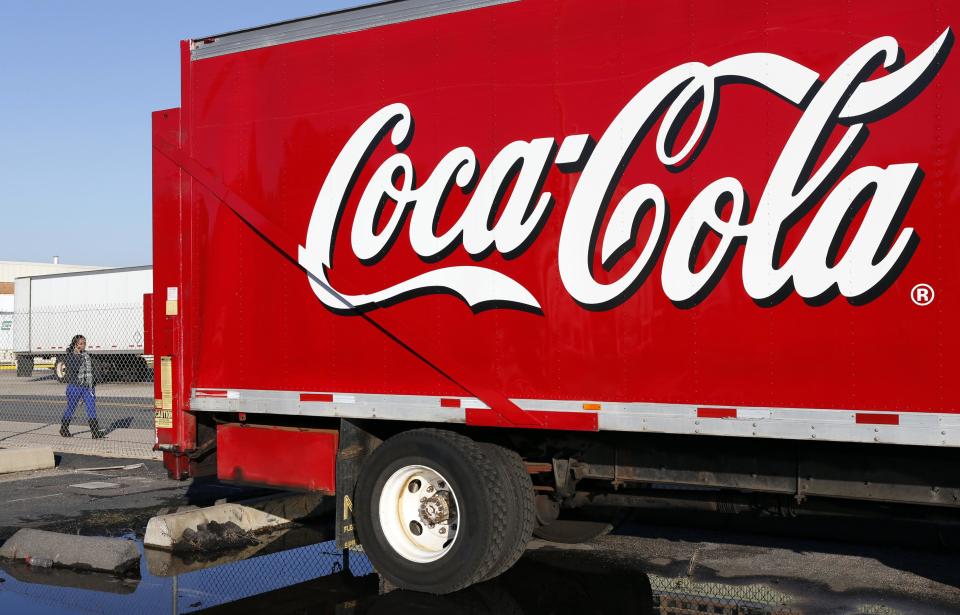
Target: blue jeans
75 393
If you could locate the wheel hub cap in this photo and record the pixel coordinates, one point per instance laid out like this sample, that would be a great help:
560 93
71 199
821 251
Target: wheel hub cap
419 514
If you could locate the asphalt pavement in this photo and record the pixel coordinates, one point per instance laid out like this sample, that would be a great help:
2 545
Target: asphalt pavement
31 410
128 412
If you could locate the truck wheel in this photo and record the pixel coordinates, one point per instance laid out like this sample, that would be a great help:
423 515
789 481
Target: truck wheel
523 503
24 366
136 369
434 511
570 531
60 369
102 368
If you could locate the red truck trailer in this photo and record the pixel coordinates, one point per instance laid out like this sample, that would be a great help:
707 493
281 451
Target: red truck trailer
479 267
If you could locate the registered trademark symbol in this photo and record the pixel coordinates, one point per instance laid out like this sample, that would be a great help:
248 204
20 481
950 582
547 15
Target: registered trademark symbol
922 294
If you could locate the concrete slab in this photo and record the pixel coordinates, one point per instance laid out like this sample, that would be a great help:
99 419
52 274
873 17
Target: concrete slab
177 531
26 459
168 564
42 548
97 484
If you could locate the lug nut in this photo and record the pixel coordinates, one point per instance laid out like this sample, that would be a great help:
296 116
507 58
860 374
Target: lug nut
430 489
443 530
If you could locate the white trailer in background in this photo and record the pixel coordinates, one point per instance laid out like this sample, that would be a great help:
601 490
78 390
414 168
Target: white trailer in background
6 328
105 306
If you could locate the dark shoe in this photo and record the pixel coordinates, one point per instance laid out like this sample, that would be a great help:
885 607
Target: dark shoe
95 429
65 428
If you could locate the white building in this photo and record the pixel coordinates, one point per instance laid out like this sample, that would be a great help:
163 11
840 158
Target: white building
18 269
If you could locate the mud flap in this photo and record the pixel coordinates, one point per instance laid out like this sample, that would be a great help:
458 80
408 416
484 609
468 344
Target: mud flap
355 444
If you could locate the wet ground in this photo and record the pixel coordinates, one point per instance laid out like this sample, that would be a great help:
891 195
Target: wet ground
60 500
645 568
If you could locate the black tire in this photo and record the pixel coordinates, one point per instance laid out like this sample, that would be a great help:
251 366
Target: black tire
136 369
572 531
523 504
484 500
103 368
60 369
24 366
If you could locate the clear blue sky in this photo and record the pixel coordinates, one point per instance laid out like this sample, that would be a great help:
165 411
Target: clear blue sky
78 81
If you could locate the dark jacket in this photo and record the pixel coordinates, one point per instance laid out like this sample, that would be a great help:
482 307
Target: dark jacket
72 361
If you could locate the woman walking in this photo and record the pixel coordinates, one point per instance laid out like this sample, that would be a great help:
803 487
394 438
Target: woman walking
80 385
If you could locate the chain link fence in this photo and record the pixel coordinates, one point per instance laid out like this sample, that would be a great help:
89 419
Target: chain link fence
682 596
38 404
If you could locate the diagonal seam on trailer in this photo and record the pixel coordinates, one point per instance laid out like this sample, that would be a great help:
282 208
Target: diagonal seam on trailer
277 237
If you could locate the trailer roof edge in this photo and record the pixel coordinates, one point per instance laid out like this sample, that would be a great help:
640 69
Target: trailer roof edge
67 274
346 20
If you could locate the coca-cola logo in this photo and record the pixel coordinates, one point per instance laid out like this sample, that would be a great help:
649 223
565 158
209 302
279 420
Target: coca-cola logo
848 99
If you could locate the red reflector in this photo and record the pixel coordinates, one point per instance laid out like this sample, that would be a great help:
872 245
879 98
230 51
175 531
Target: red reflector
209 393
447 402
717 413
868 418
568 421
316 397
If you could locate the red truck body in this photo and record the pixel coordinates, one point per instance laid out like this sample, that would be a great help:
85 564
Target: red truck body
738 254
536 223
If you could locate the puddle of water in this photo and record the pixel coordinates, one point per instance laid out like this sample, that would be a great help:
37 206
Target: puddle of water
193 585
298 571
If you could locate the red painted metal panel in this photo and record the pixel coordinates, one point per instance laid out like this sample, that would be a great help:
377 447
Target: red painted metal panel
448 402
278 456
266 140
169 259
877 418
717 413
